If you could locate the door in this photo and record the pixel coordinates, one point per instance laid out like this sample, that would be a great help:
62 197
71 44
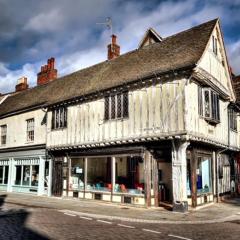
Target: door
57 181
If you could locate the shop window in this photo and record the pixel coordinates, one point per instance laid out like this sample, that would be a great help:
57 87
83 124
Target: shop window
30 130
18 175
5 177
27 175
1 174
116 106
77 174
59 118
99 174
208 105
232 119
204 175
3 134
35 174
129 175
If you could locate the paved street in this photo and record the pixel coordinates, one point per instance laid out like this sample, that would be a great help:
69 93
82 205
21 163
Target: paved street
42 222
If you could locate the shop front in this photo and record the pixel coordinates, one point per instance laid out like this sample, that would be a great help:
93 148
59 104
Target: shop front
26 172
119 177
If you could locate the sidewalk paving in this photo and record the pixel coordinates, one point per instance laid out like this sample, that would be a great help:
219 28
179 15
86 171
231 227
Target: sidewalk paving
225 211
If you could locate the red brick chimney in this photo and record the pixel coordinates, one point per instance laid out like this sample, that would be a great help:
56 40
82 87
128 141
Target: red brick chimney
47 73
113 48
21 84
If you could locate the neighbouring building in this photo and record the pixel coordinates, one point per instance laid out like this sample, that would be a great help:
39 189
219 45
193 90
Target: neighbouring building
153 125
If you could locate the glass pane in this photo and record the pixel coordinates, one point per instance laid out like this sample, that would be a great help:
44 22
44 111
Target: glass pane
113 107
204 175
35 175
46 174
207 103
6 175
129 175
1 174
18 175
77 174
26 175
99 174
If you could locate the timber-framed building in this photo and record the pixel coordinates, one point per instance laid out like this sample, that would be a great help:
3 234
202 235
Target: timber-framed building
153 125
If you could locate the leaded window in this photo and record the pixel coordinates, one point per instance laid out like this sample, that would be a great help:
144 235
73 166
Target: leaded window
30 130
116 106
59 118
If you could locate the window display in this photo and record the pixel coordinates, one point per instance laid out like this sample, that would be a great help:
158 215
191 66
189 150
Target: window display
204 175
77 174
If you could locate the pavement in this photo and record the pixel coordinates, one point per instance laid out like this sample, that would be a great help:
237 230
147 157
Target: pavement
227 210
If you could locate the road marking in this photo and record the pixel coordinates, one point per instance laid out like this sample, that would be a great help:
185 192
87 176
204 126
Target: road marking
149 230
179 237
126 226
69 214
102 221
87 218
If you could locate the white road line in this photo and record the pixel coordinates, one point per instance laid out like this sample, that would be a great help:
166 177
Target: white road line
126 226
69 214
149 230
102 221
87 218
179 237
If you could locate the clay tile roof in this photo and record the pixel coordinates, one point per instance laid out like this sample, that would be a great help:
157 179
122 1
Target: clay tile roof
236 86
178 51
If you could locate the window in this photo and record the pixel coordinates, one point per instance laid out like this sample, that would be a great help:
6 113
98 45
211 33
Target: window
214 44
59 118
116 106
204 176
208 104
30 130
232 119
4 174
27 175
3 134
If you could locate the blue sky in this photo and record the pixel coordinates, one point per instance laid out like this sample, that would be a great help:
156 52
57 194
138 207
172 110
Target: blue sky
33 31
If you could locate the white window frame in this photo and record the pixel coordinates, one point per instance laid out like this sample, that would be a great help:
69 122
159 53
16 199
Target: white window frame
3 134
30 130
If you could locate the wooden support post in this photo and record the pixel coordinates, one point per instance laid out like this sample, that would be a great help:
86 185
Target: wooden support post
147 178
85 176
155 182
194 178
113 175
50 177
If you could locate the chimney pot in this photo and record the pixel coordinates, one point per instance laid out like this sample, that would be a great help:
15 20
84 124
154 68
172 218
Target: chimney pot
113 48
21 84
47 73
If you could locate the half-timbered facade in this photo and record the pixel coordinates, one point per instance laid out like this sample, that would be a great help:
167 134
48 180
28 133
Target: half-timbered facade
153 125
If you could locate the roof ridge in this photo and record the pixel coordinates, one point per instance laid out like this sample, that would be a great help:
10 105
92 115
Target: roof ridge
190 29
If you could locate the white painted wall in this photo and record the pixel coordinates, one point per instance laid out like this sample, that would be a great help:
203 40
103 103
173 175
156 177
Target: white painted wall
17 129
153 111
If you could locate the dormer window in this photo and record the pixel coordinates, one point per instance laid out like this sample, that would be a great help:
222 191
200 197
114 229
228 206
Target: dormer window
214 44
208 105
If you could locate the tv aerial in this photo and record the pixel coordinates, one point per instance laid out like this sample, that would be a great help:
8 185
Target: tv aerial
108 24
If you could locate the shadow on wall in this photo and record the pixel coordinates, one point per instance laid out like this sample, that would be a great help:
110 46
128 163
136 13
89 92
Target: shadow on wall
12 224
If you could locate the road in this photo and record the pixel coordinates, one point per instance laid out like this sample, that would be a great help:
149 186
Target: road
22 222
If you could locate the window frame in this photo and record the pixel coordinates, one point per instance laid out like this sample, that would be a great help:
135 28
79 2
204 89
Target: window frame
59 118
116 106
3 134
232 116
30 131
209 109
